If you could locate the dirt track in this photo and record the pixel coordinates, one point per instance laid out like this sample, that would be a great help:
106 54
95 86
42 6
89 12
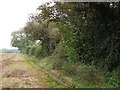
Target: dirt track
17 73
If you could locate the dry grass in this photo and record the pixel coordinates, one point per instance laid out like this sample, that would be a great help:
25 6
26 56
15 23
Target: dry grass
18 74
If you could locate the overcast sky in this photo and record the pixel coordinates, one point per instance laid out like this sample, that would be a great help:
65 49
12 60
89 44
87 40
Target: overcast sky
13 16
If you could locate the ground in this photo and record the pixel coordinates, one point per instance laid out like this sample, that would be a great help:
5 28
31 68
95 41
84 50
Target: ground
17 73
22 71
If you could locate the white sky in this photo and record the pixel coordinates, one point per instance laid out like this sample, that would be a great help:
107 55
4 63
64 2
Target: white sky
13 16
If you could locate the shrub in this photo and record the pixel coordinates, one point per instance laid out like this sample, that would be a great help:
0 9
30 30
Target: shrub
27 49
32 50
38 50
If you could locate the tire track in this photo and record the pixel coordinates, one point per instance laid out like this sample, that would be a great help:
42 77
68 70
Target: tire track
18 74
7 61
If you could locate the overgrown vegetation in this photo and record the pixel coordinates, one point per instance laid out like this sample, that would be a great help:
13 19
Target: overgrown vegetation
78 36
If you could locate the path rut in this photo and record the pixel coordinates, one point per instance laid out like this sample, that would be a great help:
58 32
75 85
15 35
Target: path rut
16 73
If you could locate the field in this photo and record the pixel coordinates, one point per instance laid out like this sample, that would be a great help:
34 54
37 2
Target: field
18 73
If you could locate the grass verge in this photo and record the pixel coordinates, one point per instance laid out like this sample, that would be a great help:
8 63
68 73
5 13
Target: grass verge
72 75
53 83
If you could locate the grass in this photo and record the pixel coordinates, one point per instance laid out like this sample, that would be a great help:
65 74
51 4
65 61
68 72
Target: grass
52 83
73 75
5 55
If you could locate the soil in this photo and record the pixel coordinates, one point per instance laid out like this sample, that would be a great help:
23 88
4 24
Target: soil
17 73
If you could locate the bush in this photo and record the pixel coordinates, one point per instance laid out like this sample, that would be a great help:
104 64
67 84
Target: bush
32 50
38 50
27 49
70 43
60 51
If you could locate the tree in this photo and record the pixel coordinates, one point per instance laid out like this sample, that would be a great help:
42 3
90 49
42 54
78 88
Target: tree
19 39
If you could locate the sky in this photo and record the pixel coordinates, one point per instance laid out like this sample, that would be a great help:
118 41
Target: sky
13 16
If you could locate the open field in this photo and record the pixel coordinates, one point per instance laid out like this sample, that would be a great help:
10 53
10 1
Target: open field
17 73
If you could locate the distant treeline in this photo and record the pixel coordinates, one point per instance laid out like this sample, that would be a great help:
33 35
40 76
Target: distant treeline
4 50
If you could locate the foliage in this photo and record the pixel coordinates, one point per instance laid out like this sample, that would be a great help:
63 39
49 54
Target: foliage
74 32
38 50
70 42
18 39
